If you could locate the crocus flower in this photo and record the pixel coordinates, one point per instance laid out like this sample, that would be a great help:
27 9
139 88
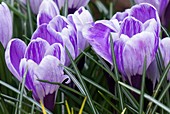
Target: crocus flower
79 19
41 61
135 34
47 10
73 5
5 24
66 31
160 5
34 4
164 48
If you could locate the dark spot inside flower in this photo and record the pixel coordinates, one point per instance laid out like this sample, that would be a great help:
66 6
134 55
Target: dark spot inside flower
71 10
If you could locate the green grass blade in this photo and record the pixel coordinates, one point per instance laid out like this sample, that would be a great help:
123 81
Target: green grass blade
116 74
32 109
63 86
76 82
160 98
164 76
146 96
18 92
142 87
101 108
65 8
108 71
100 87
82 82
29 17
131 99
16 11
109 102
22 90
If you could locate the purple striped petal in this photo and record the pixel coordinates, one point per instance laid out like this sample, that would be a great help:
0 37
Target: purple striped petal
98 36
79 19
130 26
58 51
5 24
150 12
47 33
13 55
58 23
36 50
160 5
31 81
48 9
139 46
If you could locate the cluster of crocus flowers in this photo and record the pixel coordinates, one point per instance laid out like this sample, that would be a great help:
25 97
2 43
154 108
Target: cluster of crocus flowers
73 5
45 55
5 24
135 34
66 31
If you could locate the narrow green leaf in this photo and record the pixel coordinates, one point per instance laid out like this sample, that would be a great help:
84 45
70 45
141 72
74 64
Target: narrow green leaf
100 107
16 11
146 96
142 87
108 101
32 109
116 73
82 82
160 98
65 11
165 31
18 92
159 86
108 71
29 17
76 82
63 86
100 87
131 98
22 90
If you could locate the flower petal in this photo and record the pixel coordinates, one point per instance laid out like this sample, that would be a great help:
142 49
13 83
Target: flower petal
164 48
134 52
50 70
98 36
46 33
48 9
130 26
58 51
13 55
5 24
31 81
144 8
35 4
36 50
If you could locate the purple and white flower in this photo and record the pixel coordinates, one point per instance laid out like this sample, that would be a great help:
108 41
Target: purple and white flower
134 35
66 31
5 24
41 61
